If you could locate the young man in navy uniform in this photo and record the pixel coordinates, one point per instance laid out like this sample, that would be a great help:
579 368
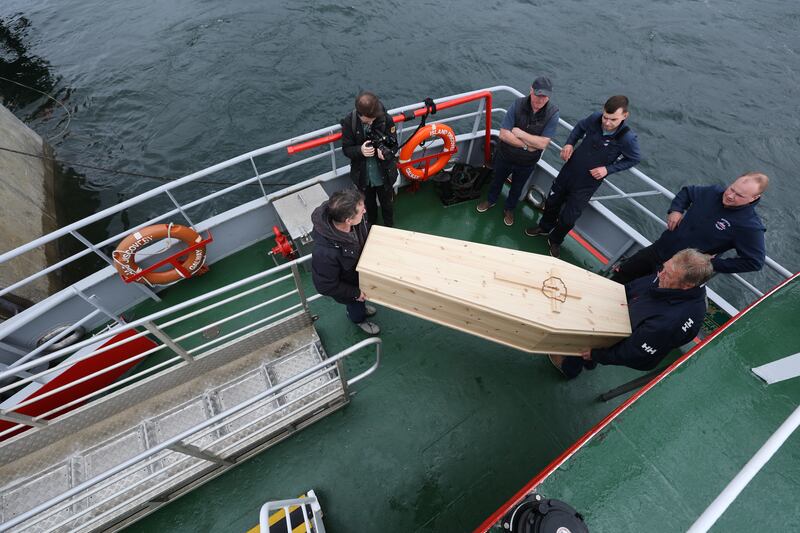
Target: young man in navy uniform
609 145
714 220
525 131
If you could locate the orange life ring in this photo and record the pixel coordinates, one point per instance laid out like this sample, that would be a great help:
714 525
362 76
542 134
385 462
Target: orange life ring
444 132
125 254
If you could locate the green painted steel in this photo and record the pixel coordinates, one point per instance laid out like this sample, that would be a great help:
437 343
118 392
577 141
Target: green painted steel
661 463
448 428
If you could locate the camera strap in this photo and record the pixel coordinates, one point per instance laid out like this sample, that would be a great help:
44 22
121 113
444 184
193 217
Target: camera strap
430 109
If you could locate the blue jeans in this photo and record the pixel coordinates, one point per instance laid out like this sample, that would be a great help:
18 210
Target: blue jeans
519 175
357 311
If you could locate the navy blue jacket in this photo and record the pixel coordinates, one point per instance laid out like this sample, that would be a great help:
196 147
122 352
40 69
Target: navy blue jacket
713 228
626 146
662 320
335 256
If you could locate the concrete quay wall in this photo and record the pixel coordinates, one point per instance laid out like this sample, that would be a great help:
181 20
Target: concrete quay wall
28 207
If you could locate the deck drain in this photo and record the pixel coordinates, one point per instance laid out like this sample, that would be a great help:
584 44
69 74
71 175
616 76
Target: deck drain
211 332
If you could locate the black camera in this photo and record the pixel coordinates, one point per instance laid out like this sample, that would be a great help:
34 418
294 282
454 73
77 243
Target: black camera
382 143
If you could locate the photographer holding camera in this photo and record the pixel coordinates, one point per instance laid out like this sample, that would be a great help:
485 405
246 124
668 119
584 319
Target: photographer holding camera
369 140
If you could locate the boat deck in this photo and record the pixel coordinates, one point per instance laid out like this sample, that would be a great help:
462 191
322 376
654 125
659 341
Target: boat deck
448 428
664 460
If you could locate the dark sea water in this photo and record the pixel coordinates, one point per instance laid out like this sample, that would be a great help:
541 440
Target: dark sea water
168 88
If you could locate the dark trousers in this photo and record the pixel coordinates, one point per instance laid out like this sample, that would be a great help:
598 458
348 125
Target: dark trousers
519 175
645 261
572 366
357 311
373 195
564 205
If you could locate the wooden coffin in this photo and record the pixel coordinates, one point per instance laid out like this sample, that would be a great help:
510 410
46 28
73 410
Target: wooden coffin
531 302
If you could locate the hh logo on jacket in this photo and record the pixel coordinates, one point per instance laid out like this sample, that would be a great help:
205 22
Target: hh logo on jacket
648 349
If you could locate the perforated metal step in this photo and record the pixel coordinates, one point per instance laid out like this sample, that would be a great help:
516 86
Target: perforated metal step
250 366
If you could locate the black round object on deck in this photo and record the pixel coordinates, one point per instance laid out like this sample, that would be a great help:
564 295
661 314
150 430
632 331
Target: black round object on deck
535 515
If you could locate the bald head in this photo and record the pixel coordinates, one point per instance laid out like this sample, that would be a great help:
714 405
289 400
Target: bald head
746 189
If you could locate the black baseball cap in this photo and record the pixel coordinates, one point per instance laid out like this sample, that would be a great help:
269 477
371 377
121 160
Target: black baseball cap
542 86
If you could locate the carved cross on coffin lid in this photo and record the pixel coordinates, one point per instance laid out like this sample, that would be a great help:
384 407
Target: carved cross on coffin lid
553 286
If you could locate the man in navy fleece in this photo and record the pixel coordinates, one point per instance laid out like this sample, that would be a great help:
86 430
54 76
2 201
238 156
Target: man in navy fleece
666 312
714 220
609 145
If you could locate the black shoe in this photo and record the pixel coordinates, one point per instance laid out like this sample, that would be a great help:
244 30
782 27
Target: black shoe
535 231
555 248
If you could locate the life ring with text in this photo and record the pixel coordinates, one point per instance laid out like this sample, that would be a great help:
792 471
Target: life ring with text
444 132
125 254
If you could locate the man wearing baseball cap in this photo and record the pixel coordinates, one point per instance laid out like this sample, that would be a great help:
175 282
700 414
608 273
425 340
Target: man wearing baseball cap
525 131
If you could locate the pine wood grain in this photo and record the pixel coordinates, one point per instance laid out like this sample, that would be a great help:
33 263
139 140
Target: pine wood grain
492 292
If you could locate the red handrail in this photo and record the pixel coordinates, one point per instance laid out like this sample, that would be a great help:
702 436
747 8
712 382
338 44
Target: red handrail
486 95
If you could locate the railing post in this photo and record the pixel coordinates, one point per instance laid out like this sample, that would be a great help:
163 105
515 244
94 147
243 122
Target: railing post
333 158
258 179
194 451
86 242
474 130
180 208
18 418
487 142
298 283
167 340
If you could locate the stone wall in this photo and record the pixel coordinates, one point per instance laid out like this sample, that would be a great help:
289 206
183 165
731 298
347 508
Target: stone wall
28 207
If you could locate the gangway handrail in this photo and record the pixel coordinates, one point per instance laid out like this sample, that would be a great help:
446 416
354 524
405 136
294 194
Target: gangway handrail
310 499
203 425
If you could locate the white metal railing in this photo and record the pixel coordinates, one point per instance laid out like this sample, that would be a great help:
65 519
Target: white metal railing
180 209
259 177
11 413
712 513
176 443
309 500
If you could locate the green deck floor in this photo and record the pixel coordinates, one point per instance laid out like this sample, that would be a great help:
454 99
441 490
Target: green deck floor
661 463
447 429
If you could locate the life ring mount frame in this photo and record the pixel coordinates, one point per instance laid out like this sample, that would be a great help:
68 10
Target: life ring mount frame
195 252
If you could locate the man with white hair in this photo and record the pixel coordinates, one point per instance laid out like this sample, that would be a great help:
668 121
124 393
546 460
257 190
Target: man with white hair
666 311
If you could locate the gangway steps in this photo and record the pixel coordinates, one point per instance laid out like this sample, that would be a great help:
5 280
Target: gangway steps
56 468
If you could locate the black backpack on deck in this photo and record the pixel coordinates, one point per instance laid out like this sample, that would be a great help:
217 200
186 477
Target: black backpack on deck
461 183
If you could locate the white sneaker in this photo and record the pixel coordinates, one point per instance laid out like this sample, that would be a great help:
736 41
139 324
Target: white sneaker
368 327
371 310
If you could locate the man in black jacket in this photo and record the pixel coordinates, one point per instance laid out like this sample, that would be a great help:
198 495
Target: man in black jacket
665 311
340 231
372 162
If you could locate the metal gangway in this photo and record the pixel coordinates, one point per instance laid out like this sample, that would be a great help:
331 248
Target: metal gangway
154 435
